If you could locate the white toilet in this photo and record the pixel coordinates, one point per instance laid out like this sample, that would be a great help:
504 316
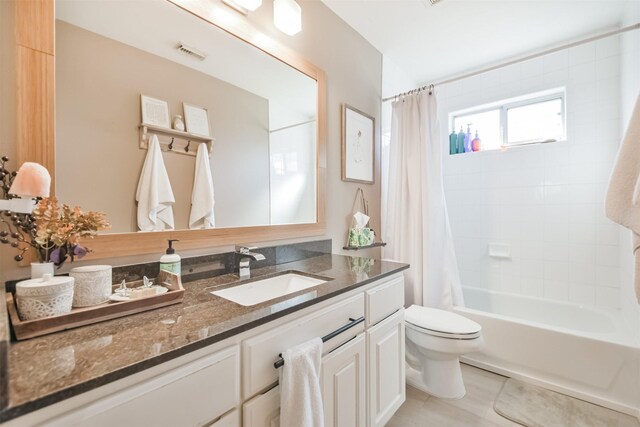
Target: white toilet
435 339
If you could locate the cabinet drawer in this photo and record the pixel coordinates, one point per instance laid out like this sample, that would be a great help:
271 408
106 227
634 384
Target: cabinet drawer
384 300
260 352
186 396
262 410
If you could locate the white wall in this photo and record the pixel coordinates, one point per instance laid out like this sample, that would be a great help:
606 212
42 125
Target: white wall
545 201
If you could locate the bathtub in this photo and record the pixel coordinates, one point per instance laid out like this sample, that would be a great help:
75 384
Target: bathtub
582 352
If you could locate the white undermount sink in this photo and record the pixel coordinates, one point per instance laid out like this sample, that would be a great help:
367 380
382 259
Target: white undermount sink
259 291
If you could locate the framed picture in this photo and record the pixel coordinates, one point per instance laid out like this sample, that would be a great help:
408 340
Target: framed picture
358 146
196 119
155 112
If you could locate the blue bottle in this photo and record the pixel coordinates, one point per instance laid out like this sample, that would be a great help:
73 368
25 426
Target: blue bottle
467 140
453 142
461 141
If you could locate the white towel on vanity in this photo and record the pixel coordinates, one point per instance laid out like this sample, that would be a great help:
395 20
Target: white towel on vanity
154 195
622 204
300 394
202 201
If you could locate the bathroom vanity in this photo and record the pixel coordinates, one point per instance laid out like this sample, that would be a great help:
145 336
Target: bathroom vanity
210 361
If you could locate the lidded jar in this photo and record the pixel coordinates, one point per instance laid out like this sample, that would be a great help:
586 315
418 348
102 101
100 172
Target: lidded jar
44 297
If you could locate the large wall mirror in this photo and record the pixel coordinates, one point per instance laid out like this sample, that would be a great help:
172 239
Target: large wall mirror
265 111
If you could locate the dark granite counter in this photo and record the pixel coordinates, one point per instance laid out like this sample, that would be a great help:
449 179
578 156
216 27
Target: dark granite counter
48 369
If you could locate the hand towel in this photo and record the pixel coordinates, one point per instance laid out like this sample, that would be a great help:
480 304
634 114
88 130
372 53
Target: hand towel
154 195
300 394
622 202
202 201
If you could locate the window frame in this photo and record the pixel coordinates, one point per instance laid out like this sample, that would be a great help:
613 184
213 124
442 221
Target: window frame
521 101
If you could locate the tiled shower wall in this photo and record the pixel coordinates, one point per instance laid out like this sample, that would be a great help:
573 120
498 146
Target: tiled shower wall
545 201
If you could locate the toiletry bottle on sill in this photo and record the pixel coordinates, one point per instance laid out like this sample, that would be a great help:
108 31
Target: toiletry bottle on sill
171 260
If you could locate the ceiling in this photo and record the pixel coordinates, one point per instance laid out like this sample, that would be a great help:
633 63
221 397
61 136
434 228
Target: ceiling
429 42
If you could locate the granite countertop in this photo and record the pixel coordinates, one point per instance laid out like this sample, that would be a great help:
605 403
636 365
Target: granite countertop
48 369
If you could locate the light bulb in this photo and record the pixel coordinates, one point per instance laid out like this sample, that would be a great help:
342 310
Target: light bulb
287 16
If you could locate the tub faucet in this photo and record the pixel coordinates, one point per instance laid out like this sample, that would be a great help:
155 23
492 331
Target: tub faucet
246 255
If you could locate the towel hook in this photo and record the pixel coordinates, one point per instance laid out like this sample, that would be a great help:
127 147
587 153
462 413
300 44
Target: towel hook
171 144
186 149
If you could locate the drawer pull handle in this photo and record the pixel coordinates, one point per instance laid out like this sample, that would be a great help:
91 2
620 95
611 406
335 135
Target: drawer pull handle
353 322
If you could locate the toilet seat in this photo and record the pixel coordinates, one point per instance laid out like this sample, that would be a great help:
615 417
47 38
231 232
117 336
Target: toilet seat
441 323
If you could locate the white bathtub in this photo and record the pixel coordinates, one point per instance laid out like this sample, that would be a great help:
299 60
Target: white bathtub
579 351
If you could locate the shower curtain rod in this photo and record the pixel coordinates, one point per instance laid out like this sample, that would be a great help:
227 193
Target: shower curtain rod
635 26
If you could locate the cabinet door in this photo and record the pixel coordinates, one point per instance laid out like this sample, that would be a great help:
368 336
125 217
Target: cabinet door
385 342
344 385
263 410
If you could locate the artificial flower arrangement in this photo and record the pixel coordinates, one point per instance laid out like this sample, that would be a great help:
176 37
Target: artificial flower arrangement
54 231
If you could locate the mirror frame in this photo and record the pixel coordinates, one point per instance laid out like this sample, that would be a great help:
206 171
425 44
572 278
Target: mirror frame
35 124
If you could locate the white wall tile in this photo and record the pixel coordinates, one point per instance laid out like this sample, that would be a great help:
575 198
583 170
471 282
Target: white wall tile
546 201
581 54
555 61
556 290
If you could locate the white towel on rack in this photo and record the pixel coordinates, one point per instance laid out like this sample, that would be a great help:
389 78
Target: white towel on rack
154 195
622 204
202 201
300 394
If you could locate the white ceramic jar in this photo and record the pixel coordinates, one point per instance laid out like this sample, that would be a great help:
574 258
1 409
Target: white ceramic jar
44 297
92 285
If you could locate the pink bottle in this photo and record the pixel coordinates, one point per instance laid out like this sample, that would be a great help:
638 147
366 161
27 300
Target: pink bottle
476 143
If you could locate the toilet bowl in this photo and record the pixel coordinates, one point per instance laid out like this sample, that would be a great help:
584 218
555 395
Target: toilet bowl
435 339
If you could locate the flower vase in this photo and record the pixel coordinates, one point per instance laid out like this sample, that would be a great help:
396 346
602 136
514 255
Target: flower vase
39 269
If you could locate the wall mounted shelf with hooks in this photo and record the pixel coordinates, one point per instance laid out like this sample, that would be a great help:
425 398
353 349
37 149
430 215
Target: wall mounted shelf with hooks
174 141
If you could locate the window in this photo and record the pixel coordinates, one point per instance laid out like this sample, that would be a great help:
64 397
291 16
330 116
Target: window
534 118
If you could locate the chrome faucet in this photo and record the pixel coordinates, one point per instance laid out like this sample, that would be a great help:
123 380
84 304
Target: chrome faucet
246 256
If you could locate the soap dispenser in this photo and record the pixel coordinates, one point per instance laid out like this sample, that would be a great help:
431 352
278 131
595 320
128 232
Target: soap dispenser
170 261
476 143
467 140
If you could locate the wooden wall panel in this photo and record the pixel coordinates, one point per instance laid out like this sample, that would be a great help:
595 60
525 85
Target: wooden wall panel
35 23
35 108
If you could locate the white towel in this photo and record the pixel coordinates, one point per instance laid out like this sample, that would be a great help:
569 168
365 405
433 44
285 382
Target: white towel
300 394
154 195
202 200
622 204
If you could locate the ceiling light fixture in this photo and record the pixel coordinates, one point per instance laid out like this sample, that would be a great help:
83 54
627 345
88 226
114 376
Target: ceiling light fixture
249 4
287 16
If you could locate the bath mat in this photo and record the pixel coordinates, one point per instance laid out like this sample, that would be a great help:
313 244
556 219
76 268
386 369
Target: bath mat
534 406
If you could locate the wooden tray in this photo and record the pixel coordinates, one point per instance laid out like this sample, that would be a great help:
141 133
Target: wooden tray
97 313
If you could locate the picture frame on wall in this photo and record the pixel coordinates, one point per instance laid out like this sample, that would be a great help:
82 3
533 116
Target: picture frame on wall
155 112
196 119
358 146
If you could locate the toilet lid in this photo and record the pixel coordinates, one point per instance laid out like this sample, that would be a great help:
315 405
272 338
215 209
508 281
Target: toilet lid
441 321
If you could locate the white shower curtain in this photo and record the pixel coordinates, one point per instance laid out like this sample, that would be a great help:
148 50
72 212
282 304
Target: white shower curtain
416 226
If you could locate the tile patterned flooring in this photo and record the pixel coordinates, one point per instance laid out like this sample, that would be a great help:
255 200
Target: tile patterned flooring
473 410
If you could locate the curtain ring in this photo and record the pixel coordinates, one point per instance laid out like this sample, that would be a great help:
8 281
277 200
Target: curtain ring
431 88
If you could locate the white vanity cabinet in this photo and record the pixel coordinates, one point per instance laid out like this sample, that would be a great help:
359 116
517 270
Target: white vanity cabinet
233 383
